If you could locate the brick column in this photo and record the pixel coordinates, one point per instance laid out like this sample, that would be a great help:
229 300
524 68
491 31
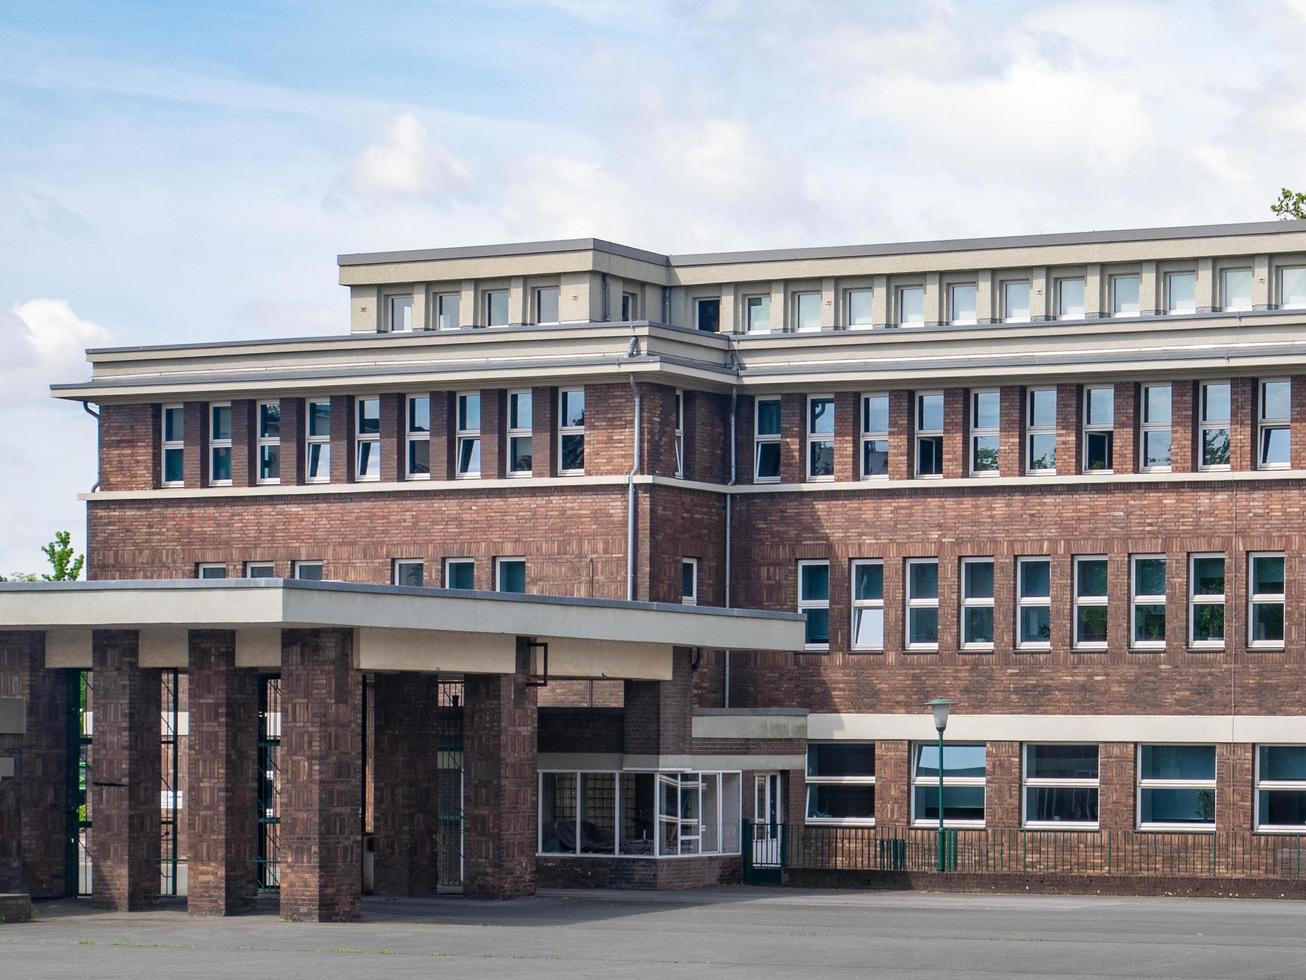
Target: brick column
126 777
1002 786
393 449
403 779
1011 431
321 790
793 438
1124 452
1070 410
1116 767
902 458
847 436
222 777
1243 411
342 438
244 442
656 717
500 799
195 450
443 423
492 429
1235 774
1183 457
1298 423
544 434
892 784
292 441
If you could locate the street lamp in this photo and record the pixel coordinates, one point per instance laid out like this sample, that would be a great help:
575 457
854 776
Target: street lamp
940 707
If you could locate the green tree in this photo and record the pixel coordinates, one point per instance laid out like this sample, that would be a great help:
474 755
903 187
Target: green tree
1291 205
65 563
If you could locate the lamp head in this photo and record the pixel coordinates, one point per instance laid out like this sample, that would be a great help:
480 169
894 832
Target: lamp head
940 707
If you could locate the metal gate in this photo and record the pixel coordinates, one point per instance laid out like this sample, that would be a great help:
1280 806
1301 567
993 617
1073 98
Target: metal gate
169 799
80 732
269 784
449 785
765 846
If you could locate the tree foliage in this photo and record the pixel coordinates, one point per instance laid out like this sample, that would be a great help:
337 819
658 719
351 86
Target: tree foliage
65 563
1291 205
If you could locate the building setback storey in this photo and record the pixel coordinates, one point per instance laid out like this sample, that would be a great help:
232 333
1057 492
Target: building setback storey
572 563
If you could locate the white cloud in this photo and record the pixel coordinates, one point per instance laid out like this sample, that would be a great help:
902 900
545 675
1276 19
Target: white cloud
407 163
45 341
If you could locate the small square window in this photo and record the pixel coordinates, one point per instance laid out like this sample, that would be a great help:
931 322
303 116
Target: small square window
1015 301
911 306
399 314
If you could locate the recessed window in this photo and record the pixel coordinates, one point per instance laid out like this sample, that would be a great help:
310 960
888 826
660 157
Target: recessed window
260 569
922 576
858 306
911 306
963 770
757 314
268 433
1156 428
417 435
820 437
447 311
1236 290
766 440
220 445
1033 603
962 303
510 574
807 312
977 603
521 455
985 431
399 313
1206 601
1176 787
1090 602
1215 404
875 435
1265 601
459 573
1292 287
707 314
496 308
929 434
1181 292
814 603
689 581
211 571
1147 597
1070 299
1275 429
173 472
868 605
309 571
1015 301
1281 788
680 433
546 304
1041 432
367 438
1099 428
571 430
1124 295
841 783
317 441
468 437
410 572
1061 786
629 306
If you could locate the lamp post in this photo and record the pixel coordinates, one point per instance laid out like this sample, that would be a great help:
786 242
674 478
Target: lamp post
940 707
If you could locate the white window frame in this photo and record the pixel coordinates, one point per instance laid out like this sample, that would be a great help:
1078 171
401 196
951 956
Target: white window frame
629 306
440 300
463 436
172 445
311 440
1114 283
848 308
692 598
205 566
1137 599
451 563
976 602
487 302
1170 308
698 319
361 438
805 604
913 603
763 300
1007 316
1032 602
249 566
400 563
500 563
953 319
1265 599
1091 426
569 430
412 436
932 783
760 439
874 435
1195 600
1146 783
1205 425
1266 424
536 294
814 437
810 780
1270 785
680 433
1224 289
978 431
519 432
1088 602
796 307
1147 426
1029 782
224 443
297 567
1061 302
862 605
1032 430
920 432
390 301
898 294
266 442
1279 287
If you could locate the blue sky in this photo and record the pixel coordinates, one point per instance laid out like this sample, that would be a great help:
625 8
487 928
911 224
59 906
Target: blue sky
181 171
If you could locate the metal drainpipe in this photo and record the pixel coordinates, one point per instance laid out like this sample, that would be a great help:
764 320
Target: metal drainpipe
607 303
630 496
734 396
86 407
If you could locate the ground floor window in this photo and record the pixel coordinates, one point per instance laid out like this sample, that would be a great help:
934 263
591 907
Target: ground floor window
1061 786
639 814
1176 787
964 768
841 783
1281 788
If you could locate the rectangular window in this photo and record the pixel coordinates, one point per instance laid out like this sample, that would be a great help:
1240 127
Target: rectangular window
1275 432
707 314
807 312
399 314
963 773
1281 788
680 433
510 574
820 437
1176 787
629 307
317 441
766 440
459 573
922 576
911 306
1124 295
875 435
367 439
410 572
757 314
1292 288
1181 292
1070 299
521 456
1034 603
496 308
1041 432
1061 786
447 311
929 434
962 303
841 783
814 602
546 304
1090 602
689 581
985 427
269 442
1236 290
977 603
571 430
868 605
857 308
220 445
417 435
1265 601
260 569
173 471
468 435
211 571
1206 601
1215 404
1015 301
1099 428
1147 597
309 571
1156 428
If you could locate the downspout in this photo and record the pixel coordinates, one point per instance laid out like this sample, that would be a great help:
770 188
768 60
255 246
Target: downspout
86 525
630 482
734 397
86 407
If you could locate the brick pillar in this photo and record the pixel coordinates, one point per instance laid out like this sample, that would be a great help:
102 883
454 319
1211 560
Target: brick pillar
544 434
745 440
342 438
656 717
321 790
443 408
1243 410
492 429
1183 458
1002 790
292 441
1298 423
500 801
222 777
847 436
403 780
393 449
892 784
195 450
1124 452
793 438
1235 774
126 776
1069 412
1116 766
955 418
902 459
1011 431
244 443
